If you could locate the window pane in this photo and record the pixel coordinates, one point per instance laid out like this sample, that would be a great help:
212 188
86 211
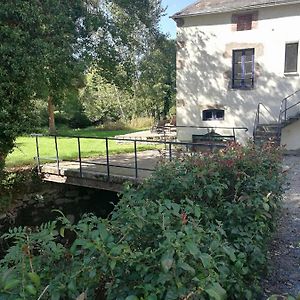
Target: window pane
237 56
248 82
249 53
291 58
238 69
243 70
248 67
220 114
213 114
237 83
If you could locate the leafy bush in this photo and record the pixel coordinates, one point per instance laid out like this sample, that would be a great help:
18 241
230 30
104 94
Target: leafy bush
79 120
196 230
14 183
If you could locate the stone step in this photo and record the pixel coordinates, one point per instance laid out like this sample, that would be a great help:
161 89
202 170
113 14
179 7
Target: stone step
266 135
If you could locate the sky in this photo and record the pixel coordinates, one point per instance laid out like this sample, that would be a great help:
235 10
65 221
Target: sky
167 25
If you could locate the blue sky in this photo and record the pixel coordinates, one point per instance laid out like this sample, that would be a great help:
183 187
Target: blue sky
168 25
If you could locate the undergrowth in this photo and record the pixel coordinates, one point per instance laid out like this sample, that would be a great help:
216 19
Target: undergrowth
197 229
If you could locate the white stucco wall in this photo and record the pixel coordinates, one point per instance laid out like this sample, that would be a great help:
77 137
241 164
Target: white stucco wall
204 66
290 136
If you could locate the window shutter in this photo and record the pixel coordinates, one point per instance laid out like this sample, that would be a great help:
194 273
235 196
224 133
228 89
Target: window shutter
244 22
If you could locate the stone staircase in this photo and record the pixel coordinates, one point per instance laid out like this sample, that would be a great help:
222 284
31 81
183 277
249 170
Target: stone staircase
271 131
267 133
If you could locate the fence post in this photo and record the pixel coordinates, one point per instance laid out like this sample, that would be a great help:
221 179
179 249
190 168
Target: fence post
107 158
170 151
79 157
38 153
57 154
135 160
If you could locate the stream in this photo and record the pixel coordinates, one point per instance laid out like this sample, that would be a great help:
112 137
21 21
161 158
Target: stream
33 209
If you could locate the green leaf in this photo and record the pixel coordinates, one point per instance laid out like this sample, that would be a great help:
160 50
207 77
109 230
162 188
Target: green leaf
205 259
266 206
62 231
167 261
132 297
112 264
35 278
216 292
192 248
186 267
11 284
197 212
152 297
31 289
210 194
230 252
103 232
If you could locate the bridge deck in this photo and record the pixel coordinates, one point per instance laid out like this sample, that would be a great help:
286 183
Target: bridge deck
94 171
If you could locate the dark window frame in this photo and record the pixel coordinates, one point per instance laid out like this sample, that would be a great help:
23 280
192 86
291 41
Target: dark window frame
215 114
242 79
287 68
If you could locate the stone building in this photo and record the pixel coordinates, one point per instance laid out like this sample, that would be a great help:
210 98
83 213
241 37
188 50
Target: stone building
233 55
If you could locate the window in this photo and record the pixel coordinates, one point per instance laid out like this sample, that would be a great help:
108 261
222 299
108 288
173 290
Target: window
243 69
244 22
291 58
213 114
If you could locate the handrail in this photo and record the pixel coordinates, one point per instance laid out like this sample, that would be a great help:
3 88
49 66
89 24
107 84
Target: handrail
284 108
258 117
169 147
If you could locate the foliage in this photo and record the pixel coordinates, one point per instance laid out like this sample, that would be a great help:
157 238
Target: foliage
46 46
196 230
14 183
156 83
151 94
41 48
103 102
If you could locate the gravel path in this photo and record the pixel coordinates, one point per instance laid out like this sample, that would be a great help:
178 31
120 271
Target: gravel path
285 247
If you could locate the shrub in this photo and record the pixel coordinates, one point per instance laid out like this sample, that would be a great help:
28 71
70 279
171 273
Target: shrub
79 120
196 230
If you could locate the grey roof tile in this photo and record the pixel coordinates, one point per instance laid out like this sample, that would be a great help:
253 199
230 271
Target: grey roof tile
203 7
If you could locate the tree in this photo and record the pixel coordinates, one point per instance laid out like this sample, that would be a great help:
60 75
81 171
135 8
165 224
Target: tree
46 44
157 80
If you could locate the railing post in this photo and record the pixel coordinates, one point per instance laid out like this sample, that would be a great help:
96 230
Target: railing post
234 138
135 160
38 153
258 114
285 110
79 157
170 151
107 158
57 154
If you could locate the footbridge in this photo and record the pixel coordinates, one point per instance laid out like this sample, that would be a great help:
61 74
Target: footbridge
107 163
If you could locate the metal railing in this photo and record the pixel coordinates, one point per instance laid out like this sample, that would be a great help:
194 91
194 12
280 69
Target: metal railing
169 148
286 106
258 118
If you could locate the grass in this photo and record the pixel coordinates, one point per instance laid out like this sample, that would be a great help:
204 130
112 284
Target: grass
25 149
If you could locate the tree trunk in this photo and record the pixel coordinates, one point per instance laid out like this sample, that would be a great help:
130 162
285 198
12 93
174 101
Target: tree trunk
52 128
2 163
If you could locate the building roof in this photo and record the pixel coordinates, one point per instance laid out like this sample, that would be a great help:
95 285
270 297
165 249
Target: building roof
205 7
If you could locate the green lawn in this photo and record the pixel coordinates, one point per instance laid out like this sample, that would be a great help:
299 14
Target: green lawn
25 149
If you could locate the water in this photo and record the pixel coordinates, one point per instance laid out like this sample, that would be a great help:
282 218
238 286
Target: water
37 208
